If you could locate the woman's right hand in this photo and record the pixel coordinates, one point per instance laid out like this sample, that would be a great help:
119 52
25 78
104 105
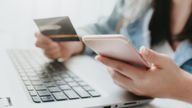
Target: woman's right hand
54 50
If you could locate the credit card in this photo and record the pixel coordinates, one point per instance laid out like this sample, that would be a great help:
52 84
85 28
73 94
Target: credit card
59 29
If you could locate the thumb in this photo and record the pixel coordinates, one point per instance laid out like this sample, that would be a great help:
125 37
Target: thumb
152 57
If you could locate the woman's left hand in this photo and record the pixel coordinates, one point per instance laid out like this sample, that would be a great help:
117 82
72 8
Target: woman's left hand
162 79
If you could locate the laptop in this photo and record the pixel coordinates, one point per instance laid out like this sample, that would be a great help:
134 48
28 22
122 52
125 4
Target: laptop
29 79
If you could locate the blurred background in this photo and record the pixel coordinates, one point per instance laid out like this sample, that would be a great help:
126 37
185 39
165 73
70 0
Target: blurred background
16 17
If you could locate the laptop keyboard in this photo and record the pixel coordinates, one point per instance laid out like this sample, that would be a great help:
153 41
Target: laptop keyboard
48 81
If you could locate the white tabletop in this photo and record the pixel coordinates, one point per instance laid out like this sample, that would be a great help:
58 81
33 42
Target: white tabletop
166 103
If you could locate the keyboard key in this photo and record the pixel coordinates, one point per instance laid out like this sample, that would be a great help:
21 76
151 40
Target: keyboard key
55 74
24 78
43 93
73 84
54 89
82 83
34 78
94 93
71 94
33 93
88 88
30 88
68 79
46 80
31 74
47 99
56 78
43 75
40 88
65 87
28 70
27 82
81 92
73 75
59 96
37 82
60 82
65 75
50 84
22 74
36 99
78 79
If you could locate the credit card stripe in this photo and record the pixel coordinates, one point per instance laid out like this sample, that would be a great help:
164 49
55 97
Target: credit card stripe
60 39
63 36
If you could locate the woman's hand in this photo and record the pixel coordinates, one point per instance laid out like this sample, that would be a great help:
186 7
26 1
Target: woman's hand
164 79
54 50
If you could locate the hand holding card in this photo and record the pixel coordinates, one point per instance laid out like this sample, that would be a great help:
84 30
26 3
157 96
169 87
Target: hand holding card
59 29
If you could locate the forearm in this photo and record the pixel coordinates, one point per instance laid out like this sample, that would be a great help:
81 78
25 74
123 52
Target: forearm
184 91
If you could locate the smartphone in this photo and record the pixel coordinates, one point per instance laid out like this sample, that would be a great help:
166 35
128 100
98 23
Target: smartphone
115 46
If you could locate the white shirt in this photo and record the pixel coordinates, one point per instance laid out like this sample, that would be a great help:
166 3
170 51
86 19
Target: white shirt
164 48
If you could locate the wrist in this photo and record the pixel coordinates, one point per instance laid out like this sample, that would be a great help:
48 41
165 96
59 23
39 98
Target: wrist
183 90
79 48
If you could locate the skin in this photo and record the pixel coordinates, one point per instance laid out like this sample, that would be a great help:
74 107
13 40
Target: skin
163 79
54 50
181 10
180 14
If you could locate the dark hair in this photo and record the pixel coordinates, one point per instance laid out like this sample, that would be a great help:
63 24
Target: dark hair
160 24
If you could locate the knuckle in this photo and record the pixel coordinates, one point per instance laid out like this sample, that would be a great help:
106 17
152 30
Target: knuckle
65 57
37 35
53 54
152 56
119 67
37 44
139 93
167 58
117 83
141 78
114 76
49 54
66 54
55 45
110 70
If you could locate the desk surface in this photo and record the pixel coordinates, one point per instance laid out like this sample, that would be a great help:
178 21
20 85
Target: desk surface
167 103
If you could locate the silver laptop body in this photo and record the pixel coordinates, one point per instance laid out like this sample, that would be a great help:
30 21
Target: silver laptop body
92 74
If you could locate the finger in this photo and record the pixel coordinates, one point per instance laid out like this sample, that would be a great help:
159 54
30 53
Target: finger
50 46
65 54
42 40
126 83
53 54
123 68
42 37
123 81
110 70
154 57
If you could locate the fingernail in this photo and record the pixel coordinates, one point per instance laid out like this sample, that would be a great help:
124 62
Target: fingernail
36 35
144 50
99 58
